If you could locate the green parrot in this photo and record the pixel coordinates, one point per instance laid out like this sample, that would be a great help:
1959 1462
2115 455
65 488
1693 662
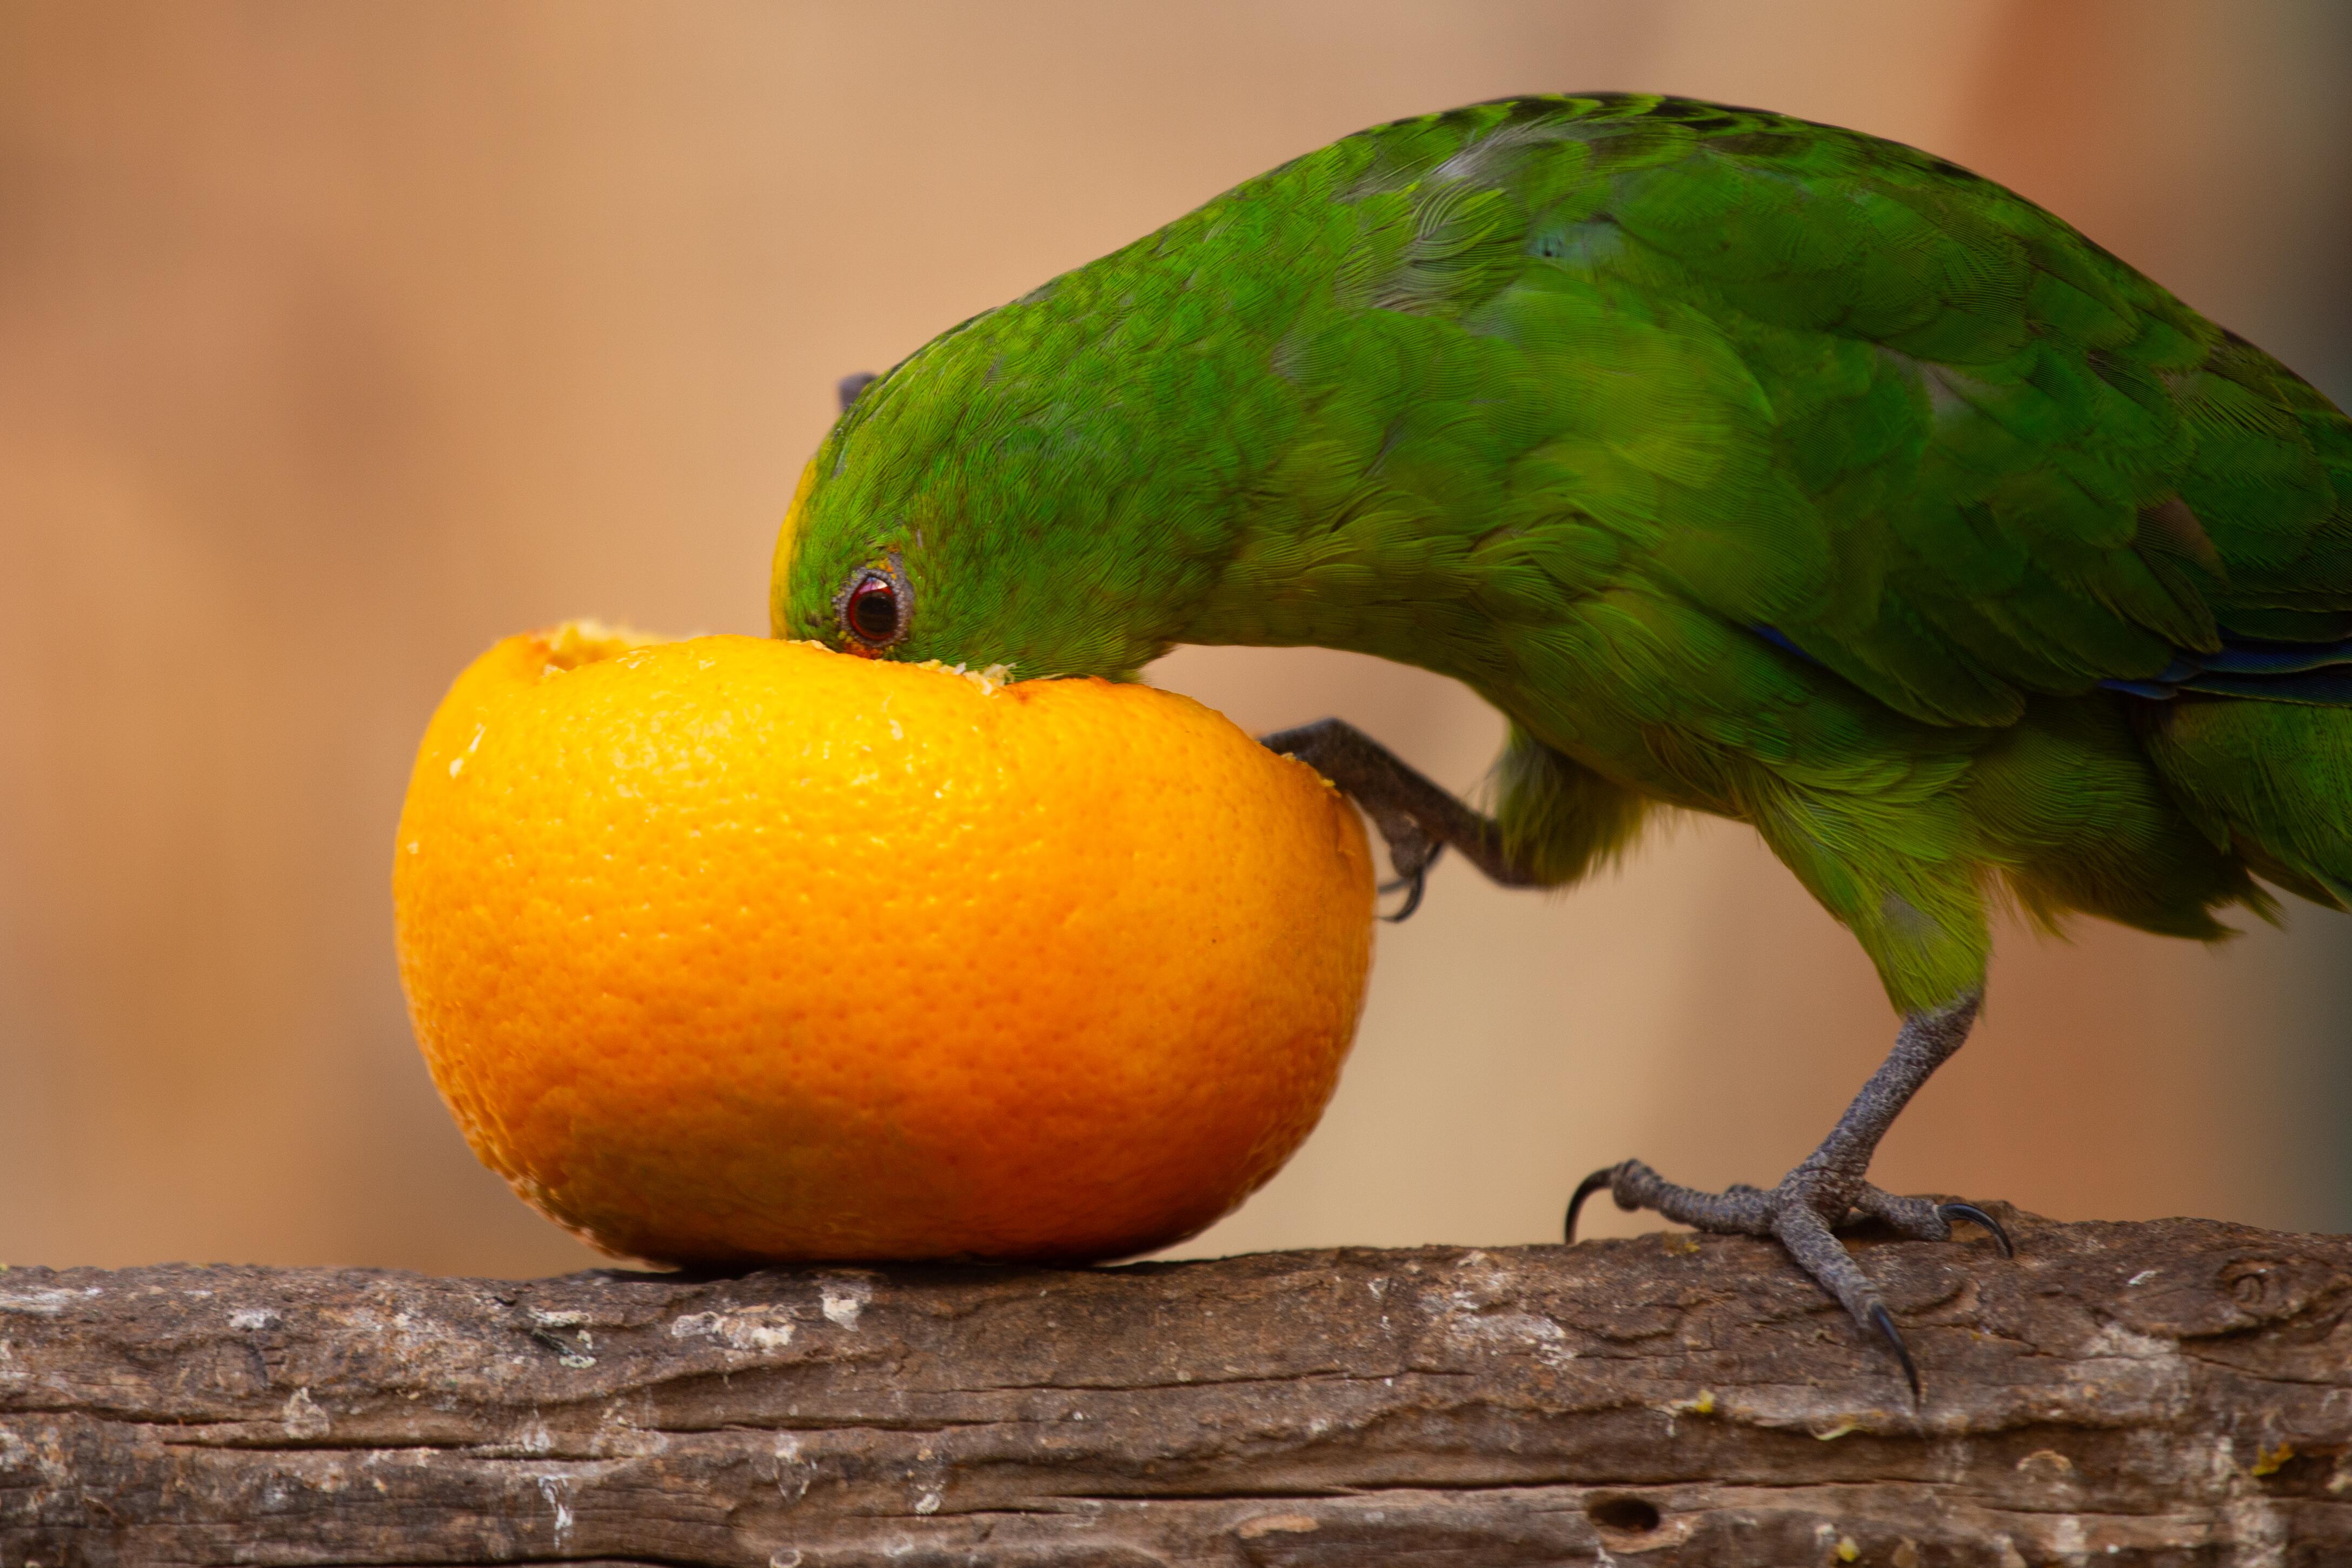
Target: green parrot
1749 466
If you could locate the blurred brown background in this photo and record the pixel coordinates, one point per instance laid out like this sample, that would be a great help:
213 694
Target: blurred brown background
336 341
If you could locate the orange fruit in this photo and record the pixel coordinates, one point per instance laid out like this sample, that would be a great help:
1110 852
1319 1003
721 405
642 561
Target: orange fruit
733 949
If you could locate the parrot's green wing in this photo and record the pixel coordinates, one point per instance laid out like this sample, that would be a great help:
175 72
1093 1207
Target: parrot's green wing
1839 389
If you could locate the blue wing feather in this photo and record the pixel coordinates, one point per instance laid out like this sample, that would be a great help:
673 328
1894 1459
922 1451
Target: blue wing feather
2319 674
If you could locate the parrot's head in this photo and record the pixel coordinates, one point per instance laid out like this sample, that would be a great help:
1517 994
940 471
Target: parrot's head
987 502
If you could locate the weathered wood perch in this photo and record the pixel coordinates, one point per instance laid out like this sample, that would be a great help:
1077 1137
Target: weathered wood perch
2177 1393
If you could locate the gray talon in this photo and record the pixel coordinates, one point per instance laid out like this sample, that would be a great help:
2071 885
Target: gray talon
1418 883
1829 1187
1584 1189
1976 1215
1884 1322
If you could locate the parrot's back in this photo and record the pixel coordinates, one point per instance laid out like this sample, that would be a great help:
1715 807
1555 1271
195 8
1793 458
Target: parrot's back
1809 379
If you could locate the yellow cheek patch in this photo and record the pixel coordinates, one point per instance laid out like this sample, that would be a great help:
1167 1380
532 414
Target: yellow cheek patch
780 578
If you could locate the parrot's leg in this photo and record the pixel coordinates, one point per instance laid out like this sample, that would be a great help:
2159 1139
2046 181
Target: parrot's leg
1829 1188
1419 820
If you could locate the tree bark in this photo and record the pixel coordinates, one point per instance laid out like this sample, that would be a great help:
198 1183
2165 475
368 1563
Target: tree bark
2171 1394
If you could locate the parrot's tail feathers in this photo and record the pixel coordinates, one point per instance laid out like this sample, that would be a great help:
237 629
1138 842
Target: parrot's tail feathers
2273 779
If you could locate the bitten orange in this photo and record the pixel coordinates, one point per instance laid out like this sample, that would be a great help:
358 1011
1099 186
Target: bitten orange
732 948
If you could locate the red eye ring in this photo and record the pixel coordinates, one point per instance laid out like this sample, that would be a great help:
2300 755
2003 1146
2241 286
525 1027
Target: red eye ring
874 611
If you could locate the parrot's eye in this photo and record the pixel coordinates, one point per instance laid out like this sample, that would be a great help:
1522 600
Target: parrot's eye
874 609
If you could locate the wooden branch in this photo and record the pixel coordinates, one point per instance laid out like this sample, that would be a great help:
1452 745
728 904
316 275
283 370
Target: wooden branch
2178 1392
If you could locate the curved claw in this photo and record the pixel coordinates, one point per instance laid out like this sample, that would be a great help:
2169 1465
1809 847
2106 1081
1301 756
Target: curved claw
1976 1215
1584 1189
1418 883
1883 1322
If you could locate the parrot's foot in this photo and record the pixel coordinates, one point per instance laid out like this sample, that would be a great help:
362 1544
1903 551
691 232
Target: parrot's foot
1828 1190
1417 819
1804 1212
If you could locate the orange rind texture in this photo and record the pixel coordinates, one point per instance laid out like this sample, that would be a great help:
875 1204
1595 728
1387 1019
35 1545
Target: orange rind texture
730 949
